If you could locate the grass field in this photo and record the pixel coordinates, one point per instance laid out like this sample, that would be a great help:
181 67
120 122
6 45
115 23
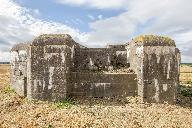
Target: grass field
4 75
186 73
129 112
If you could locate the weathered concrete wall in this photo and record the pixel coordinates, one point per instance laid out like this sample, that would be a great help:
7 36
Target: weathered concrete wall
49 60
93 59
51 63
19 58
157 66
103 85
160 73
101 58
55 66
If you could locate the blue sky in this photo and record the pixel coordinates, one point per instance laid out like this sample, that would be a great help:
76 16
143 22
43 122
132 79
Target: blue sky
73 16
96 23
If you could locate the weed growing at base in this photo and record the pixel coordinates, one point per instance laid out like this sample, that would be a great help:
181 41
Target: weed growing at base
189 82
8 89
185 91
66 103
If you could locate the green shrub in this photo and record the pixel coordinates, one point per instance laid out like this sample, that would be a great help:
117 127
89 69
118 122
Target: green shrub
8 89
185 90
189 82
66 103
187 93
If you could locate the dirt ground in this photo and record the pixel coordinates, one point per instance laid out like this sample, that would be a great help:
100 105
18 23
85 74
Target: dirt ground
128 112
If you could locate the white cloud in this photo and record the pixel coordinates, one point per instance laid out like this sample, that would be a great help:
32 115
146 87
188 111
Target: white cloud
113 29
99 4
91 17
94 18
100 17
167 17
19 24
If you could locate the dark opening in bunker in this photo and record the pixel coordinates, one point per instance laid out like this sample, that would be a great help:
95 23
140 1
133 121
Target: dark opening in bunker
25 86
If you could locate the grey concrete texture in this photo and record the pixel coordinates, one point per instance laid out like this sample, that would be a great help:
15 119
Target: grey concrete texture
53 67
157 69
103 85
101 58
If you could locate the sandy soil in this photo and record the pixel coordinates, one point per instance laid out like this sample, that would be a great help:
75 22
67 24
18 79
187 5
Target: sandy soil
128 112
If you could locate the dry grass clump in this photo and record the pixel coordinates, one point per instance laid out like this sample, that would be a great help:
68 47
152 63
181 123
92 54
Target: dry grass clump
153 39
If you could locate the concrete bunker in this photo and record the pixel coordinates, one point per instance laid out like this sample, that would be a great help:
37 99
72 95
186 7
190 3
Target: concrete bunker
54 66
19 64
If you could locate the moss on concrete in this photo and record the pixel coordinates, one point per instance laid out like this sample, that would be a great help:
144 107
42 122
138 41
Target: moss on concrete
154 40
45 36
54 39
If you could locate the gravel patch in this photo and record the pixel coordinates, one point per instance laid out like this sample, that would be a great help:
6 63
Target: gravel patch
130 112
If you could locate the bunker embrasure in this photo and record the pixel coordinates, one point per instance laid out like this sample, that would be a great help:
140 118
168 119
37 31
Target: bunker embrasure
54 66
